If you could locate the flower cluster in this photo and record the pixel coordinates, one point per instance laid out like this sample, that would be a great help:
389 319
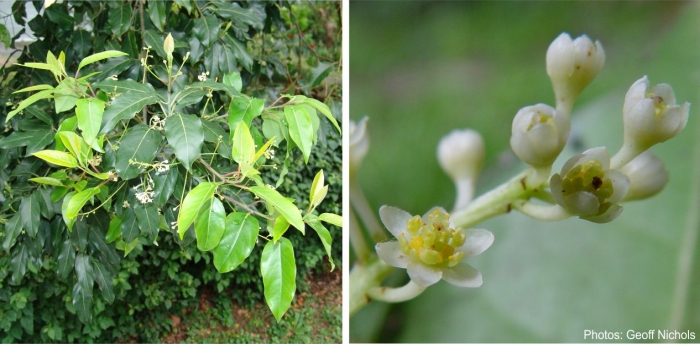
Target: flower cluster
162 167
203 76
144 192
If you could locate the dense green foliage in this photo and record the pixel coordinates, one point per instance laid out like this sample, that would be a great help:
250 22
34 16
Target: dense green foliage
95 236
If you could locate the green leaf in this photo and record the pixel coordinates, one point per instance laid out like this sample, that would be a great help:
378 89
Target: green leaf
244 109
30 212
320 107
243 149
83 270
283 205
67 93
316 189
75 145
147 217
233 79
319 73
188 96
209 225
155 40
64 210
185 136
45 94
13 227
129 226
239 50
212 133
280 227
40 87
101 56
242 17
163 186
82 301
139 145
156 11
300 129
206 29
279 272
89 112
5 36
17 139
77 202
57 158
333 219
66 259
237 242
324 235
192 203
46 181
123 86
18 264
114 232
104 280
120 19
81 42
125 106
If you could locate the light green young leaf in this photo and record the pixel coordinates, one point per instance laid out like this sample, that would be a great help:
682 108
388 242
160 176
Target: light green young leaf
64 210
323 234
46 181
333 219
100 56
283 205
233 79
185 136
237 241
45 94
210 224
320 107
34 88
67 93
193 202
262 149
75 145
77 202
57 158
280 227
243 148
300 129
279 272
316 187
114 231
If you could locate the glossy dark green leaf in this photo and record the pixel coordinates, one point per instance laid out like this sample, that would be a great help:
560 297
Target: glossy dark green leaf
196 49
163 186
30 211
20 258
214 133
300 129
125 106
188 96
98 235
59 16
237 241
240 51
147 217
220 59
186 4
81 42
139 144
104 279
120 19
244 109
129 226
83 270
253 16
191 205
116 66
82 302
124 86
185 136
206 29
13 227
130 44
279 271
79 235
324 235
43 136
156 11
210 224
66 259
155 40
17 139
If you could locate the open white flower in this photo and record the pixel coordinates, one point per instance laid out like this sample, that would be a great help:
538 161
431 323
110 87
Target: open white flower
430 248
587 187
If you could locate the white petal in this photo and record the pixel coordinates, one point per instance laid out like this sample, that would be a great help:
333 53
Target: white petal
440 209
613 212
463 275
423 275
582 203
394 219
555 188
599 154
391 253
620 184
478 240
666 92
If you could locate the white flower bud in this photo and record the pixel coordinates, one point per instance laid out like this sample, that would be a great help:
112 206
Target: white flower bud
571 66
169 46
461 155
651 116
587 187
359 143
647 175
539 134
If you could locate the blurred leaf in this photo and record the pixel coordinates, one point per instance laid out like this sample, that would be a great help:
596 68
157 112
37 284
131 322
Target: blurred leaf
13 227
66 259
319 73
237 242
82 301
120 19
156 11
242 17
185 136
30 212
210 224
5 36
81 42
129 226
279 272
206 29
104 280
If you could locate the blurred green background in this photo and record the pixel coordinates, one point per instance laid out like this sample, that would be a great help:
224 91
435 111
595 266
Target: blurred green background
422 69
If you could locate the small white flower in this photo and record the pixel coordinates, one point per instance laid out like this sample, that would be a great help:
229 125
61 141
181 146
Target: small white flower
539 134
572 65
145 196
203 76
430 248
651 115
647 175
269 154
587 187
125 204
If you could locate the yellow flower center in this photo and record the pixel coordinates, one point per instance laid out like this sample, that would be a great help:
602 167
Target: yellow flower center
433 242
589 177
659 104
